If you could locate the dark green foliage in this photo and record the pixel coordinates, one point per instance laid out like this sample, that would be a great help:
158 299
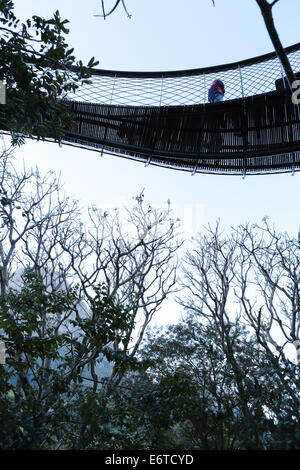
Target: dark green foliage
28 398
186 391
42 397
209 400
36 63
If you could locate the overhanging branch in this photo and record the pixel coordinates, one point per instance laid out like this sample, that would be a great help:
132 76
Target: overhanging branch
266 10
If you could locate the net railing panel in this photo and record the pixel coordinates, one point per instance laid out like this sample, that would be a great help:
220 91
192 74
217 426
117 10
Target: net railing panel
241 79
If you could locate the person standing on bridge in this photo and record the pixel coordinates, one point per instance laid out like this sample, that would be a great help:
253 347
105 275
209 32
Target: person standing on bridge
216 91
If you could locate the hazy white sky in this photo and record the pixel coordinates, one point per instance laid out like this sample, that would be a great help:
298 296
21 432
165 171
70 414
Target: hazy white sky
170 35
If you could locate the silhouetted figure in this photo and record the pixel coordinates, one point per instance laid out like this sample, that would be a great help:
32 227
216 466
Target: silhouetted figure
216 91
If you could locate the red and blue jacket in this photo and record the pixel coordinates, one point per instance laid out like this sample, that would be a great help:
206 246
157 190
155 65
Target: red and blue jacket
217 88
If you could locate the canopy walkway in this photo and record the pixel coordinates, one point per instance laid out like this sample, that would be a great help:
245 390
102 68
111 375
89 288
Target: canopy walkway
163 118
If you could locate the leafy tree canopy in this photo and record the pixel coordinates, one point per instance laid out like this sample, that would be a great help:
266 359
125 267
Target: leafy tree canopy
39 69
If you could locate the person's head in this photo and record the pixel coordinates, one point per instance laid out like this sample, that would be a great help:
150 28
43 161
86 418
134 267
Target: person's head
219 84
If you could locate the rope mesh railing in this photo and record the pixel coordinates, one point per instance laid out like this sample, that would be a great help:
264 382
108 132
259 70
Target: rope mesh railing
242 79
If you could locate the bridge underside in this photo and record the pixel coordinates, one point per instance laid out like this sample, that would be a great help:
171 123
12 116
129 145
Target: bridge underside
259 134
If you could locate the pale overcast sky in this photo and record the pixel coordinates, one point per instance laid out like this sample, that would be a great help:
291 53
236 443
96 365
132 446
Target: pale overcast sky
170 35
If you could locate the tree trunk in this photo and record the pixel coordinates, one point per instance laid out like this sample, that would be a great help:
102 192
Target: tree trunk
266 10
